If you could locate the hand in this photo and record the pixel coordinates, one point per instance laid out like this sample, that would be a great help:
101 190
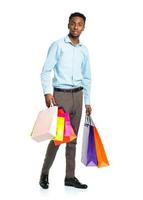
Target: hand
88 109
48 99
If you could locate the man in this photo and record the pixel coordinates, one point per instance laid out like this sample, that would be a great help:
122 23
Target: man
69 60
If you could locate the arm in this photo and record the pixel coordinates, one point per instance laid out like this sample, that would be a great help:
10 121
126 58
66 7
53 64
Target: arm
86 83
49 64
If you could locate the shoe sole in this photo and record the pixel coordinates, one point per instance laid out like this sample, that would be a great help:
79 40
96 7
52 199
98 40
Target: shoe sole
44 187
75 186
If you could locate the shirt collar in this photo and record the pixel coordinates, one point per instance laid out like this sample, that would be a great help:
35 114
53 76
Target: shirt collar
67 40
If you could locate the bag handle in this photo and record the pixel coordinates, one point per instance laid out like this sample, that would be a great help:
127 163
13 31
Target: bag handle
88 120
53 103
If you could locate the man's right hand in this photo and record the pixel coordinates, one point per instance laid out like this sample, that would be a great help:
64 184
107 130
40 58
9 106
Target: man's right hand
48 99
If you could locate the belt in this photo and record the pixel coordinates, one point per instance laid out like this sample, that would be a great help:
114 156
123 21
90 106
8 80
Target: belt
68 90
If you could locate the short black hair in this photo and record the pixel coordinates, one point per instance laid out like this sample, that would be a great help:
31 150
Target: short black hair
77 14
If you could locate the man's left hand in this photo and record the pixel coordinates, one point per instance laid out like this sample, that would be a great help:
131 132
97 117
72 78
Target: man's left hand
88 109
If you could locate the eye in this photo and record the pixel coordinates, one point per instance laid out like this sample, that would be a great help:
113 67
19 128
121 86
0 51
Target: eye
80 24
72 23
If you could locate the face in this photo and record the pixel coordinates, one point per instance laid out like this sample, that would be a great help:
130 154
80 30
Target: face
76 26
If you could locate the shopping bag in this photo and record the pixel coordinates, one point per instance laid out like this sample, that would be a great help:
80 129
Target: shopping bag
85 143
93 153
66 139
60 128
101 154
67 125
45 125
88 157
91 150
67 130
68 133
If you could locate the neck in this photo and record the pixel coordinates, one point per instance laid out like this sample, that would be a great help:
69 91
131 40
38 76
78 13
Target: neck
74 39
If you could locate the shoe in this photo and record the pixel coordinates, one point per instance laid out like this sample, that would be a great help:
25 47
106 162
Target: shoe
44 183
74 182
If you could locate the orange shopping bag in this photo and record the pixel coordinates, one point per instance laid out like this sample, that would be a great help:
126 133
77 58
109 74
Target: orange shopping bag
101 154
66 139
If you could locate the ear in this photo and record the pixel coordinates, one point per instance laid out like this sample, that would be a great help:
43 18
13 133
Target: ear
68 25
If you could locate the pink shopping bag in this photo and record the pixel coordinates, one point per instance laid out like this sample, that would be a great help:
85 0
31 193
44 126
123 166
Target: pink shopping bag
45 125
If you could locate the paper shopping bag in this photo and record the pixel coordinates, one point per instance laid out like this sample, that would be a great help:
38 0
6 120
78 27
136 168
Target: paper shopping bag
101 154
66 139
45 125
93 153
60 129
67 124
85 143
67 130
89 157
91 150
69 133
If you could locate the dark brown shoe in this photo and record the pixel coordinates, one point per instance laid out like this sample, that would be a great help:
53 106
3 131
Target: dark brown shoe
74 182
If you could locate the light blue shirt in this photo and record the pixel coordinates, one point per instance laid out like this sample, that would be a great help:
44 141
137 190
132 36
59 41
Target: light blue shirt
71 67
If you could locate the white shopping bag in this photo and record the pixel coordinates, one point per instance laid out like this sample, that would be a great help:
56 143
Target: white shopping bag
45 125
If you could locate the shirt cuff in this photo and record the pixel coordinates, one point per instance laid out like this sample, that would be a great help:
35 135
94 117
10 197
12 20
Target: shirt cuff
86 100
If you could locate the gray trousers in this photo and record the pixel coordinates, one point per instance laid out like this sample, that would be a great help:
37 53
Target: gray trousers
72 103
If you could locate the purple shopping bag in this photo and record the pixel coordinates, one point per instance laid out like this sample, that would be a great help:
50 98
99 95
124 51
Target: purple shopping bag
88 156
91 150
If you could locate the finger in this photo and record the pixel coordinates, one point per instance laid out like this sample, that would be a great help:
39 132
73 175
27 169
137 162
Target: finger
54 101
87 112
48 104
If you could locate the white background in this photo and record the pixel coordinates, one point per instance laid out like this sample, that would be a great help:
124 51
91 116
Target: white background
114 37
